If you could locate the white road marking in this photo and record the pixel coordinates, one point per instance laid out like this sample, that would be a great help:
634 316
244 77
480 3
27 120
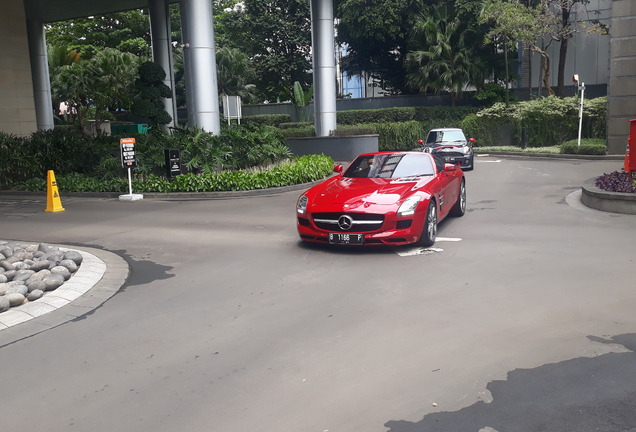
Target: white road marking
447 239
485 161
417 251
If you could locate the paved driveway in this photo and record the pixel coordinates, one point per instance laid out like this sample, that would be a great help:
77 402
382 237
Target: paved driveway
227 323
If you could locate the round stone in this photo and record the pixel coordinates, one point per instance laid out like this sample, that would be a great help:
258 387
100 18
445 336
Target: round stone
23 275
53 281
24 256
15 299
3 288
69 264
4 304
43 247
7 265
36 285
35 294
22 289
3 278
60 270
40 265
9 274
75 256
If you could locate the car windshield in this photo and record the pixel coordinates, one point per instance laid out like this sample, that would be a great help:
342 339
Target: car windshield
396 165
436 137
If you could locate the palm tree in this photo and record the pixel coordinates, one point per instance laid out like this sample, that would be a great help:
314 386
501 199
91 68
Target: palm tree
443 59
235 74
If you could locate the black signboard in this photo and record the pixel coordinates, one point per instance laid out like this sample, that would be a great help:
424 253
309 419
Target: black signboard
128 158
173 163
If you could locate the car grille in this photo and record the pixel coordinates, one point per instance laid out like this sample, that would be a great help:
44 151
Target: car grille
450 154
361 222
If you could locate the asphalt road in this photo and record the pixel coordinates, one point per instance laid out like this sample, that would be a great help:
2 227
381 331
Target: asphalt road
229 324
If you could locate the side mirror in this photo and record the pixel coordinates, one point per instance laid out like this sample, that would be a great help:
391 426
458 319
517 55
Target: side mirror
471 140
420 141
338 169
450 167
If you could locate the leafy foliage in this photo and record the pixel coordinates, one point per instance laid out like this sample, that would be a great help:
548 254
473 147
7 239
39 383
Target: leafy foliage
376 33
616 182
587 147
549 121
276 35
301 170
235 74
150 91
442 58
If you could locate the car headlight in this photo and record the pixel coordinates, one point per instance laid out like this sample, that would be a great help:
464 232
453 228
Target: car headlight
466 149
409 205
301 207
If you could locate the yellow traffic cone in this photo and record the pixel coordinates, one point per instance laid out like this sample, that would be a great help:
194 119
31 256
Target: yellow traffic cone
53 201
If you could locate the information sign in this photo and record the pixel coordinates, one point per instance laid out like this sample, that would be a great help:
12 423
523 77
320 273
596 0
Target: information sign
128 159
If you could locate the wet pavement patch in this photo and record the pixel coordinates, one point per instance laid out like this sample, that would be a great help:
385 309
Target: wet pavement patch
578 395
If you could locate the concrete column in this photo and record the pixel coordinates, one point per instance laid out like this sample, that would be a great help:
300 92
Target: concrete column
324 65
198 41
621 99
187 66
160 34
40 75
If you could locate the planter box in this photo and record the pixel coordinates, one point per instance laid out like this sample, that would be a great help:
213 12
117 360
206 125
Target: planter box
614 202
339 148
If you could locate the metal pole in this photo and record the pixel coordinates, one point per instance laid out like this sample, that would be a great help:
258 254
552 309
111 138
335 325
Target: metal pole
581 112
129 182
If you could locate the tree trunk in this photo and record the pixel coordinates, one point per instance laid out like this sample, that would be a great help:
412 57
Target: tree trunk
563 50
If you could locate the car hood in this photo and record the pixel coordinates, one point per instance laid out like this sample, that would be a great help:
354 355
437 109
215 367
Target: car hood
358 191
447 146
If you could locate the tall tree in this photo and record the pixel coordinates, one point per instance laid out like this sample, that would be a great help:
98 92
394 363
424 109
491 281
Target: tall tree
276 35
125 31
235 74
566 28
531 25
376 33
443 59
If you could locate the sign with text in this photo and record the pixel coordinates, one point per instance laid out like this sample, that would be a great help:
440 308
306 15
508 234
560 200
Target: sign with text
128 159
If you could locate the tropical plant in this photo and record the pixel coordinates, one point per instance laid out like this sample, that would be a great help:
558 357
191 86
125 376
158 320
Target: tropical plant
276 35
150 93
443 59
300 100
235 74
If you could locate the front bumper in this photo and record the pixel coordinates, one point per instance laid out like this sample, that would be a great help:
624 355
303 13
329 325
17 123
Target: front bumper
393 231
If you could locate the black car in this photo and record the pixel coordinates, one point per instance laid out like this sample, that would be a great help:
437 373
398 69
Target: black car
451 145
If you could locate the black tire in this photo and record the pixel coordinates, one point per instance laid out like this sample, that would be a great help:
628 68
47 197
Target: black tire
459 208
429 232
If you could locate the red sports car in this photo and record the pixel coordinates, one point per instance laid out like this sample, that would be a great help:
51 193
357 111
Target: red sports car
391 198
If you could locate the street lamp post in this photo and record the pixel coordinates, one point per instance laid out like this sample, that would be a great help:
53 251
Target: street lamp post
581 88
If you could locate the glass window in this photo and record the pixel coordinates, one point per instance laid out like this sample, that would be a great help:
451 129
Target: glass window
394 165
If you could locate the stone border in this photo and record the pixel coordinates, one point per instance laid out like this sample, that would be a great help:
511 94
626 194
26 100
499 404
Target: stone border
98 278
614 202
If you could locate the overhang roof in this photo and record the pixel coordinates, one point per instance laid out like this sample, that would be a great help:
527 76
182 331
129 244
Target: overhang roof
62 10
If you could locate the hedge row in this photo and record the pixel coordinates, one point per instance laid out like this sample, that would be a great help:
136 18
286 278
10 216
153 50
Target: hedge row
296 171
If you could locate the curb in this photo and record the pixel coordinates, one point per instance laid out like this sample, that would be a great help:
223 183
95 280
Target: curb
552 155
100 276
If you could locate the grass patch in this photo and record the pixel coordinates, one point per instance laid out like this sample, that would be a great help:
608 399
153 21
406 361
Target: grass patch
549 150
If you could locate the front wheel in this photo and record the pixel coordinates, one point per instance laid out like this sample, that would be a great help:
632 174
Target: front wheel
459 208
429 233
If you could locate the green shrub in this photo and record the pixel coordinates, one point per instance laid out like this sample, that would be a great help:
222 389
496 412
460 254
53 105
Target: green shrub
383 115
443 116
292 125
299 132
297 171
400 136
358 129
267 119
587 147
